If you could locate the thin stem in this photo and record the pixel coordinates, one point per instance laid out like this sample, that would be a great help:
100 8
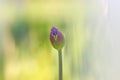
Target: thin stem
60 64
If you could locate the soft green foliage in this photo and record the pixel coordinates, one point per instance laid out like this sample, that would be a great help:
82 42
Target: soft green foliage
30 32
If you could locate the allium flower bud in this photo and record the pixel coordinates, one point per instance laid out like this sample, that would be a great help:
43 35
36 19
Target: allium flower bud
57 38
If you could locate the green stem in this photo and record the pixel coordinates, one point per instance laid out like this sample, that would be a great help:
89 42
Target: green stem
60 64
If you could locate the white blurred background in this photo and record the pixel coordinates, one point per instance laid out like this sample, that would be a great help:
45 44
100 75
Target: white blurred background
104 24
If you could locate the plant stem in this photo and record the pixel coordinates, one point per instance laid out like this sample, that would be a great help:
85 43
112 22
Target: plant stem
60 64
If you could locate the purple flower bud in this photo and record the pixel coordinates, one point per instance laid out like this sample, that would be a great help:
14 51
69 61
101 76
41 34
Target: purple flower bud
57 38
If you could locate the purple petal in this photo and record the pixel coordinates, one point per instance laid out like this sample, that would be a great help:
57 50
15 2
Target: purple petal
54 31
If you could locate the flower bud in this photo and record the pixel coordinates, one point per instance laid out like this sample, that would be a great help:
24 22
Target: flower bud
57 38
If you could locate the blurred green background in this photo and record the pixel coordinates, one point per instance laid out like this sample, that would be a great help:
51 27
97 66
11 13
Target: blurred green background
26 52
91 29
